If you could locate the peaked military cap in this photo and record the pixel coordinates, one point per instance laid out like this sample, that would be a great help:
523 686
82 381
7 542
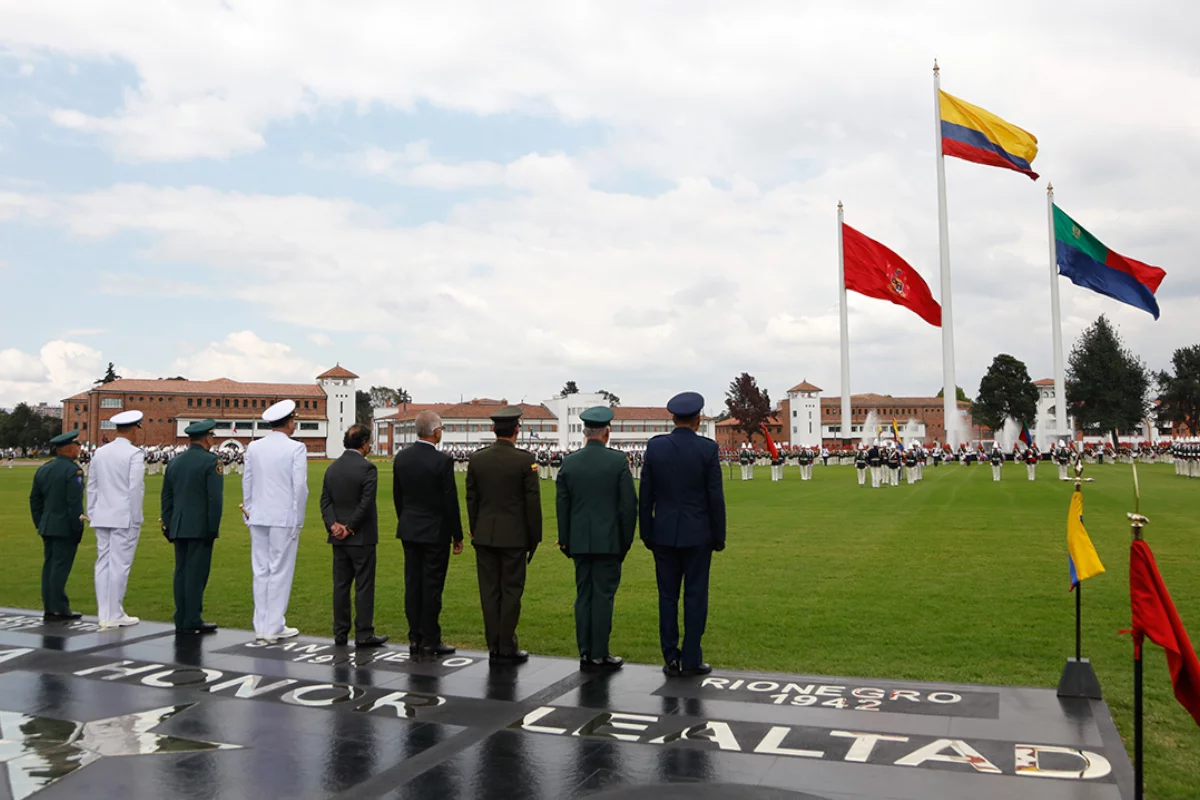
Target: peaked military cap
64 438
280 411
127 418
685 404
507 414
200 428
596 416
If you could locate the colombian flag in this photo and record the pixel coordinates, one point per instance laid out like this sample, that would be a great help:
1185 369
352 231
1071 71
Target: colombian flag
1081 558
1025 436
972 134
1088 263
896 434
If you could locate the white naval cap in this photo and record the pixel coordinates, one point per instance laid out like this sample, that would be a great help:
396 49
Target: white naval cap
281 410
127 418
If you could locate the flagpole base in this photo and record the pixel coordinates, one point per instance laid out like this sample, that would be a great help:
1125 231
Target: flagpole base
1079 680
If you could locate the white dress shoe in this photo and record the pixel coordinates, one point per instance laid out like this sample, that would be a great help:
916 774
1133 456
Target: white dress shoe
125 621
287 633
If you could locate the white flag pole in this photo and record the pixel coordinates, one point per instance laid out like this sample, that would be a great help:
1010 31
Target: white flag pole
1060 380
949 386
845 432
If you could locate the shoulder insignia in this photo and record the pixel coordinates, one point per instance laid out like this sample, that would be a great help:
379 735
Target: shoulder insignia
220 469
533 467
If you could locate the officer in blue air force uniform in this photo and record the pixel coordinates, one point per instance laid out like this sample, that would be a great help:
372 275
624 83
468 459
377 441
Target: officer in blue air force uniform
56 503
683 521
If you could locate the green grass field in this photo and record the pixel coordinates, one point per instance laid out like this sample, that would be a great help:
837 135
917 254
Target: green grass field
955 579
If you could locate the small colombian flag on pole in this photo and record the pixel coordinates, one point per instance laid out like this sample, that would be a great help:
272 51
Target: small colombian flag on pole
1081 555
972 134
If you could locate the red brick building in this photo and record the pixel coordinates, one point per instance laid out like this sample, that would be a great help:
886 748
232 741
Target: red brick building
171 405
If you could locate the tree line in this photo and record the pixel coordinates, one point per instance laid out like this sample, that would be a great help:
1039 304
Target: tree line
26 428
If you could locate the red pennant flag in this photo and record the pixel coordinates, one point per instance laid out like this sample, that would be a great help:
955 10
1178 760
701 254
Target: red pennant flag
770 442
874 270
1154 617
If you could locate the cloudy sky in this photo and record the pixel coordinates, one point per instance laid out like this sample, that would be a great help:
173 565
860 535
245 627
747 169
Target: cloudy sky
480 198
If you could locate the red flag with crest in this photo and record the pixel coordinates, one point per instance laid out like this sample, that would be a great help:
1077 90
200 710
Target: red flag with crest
770 442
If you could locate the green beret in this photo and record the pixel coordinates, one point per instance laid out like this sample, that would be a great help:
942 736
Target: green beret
508 414
596 416
64 438
200 428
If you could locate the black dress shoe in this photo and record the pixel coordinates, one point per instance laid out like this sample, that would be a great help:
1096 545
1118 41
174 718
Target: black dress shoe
188 631
208 627
671 669
607 664
519 657
439 650
692 672
371 641
64 616
339 641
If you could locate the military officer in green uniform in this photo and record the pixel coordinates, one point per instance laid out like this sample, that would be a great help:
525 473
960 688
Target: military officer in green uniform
56 502
504 509
192 496
597 517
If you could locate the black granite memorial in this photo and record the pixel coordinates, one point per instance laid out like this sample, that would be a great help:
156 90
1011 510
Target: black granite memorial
140 713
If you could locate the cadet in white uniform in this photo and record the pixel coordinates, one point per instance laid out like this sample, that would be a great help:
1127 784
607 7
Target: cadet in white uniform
116 488
274 493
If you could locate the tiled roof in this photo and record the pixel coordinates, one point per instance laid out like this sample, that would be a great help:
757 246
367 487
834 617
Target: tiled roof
480 410
872 399
804 386
410 411
1044 382
731 422
640 412
219 386
337 372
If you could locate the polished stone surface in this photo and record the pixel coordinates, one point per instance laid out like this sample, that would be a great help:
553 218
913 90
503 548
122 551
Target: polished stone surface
138 712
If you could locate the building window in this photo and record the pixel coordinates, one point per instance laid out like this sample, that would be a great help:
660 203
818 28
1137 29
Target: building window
309 426
107 425
108 402
810 427
227 402
189 402
160 399
85 426
795 429
235 402
224 426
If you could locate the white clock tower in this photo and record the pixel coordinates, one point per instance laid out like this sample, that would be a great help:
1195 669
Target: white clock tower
339 385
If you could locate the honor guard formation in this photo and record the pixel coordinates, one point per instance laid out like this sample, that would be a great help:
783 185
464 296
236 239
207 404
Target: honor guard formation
679 511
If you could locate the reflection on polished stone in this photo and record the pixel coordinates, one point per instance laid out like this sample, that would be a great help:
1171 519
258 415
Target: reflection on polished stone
37 751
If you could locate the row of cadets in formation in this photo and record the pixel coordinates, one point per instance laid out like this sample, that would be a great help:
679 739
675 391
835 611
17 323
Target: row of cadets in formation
681 512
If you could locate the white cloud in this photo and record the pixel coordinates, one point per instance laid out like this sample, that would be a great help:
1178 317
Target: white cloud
26 70
320 340
59 370
376 342
243 356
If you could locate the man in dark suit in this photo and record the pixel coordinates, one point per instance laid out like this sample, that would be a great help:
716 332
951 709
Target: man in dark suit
504 510
683 522
350 516
56 502
428 521
193 494
597 515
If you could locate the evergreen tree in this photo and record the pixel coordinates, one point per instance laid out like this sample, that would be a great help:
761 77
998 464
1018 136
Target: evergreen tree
1005 391
1106 383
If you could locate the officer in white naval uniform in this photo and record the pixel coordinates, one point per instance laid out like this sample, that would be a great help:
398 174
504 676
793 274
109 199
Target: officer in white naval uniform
116 488
274 494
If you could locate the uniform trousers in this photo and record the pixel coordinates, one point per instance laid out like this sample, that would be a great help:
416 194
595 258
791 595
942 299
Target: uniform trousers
114 558
596 580
995 472
688 566
193 560
862 476
1031 471
1062 472
273 561
876 477
776 472
58 556
354 565
501 574
554 473
425 568
749 472
895 475
806 472
910 475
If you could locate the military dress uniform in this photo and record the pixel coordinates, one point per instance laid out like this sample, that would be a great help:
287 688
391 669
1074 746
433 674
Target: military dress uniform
274 497
806 464
875 461
116 491
1031 461
777 466
556 459
597 518
504 510
747 464
56 503
860 466
682 517
192 500
997 459
910 466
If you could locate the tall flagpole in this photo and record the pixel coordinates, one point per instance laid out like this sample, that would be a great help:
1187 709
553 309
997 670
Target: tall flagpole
949 387
845 331
1060 381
